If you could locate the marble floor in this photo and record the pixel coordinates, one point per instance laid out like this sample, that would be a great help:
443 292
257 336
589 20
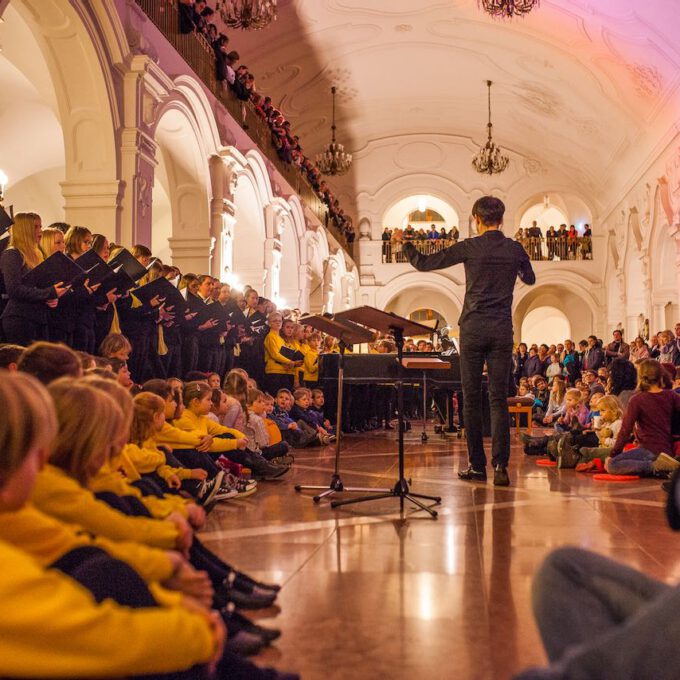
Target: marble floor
371 593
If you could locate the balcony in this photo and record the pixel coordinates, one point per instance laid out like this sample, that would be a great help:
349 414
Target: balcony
198 54
538 250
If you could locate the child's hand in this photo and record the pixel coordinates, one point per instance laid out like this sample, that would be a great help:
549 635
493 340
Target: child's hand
205 443
174 482
196 515
241 444
199 473
293 426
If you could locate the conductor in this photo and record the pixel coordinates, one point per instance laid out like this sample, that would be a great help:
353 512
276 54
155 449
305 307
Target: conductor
492 263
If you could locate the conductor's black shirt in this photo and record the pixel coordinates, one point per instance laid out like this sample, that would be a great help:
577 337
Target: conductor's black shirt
492 264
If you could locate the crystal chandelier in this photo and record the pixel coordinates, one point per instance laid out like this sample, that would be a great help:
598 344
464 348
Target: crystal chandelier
506 9
333 160
490 160
250 15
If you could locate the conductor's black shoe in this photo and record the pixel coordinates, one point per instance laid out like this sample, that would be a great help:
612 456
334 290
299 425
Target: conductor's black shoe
472 475
500 476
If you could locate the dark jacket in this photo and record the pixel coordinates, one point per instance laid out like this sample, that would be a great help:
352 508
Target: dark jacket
23 301
492 264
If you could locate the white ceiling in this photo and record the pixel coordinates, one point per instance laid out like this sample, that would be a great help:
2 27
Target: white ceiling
584 90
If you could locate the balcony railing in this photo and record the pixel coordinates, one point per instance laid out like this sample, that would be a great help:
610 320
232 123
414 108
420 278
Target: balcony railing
537 249
579 248
199 55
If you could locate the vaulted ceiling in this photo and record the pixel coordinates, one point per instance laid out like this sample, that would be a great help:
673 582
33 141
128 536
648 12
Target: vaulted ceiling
584 90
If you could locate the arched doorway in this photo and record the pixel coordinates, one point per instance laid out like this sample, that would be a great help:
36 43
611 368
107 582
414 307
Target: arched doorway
421 207
57 132
545 325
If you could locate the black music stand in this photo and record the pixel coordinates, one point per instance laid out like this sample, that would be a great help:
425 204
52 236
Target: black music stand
386 322
347 333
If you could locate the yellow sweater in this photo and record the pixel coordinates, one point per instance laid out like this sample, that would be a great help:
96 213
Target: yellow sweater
275 362
203 425
116 476
51 627
47 539
311 373
148 458
60 496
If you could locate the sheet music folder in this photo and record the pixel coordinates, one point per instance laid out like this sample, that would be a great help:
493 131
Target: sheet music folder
385 322
342 329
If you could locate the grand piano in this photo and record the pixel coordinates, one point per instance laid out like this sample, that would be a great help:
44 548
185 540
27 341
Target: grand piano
383 369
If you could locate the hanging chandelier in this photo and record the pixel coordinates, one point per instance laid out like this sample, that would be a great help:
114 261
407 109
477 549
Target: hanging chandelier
506 9
489 160
333 160
249 15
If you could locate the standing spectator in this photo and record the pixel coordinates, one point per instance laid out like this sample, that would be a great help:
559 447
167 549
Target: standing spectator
386 238
617 348
593 357
551 240
433 234
668 349
535 241
562 242
443 235
454 234
518 360
554 368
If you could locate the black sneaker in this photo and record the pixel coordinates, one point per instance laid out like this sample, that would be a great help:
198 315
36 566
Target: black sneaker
500 476
210 488
567 455
472 475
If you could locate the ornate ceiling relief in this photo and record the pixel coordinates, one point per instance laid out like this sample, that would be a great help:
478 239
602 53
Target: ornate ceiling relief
647 80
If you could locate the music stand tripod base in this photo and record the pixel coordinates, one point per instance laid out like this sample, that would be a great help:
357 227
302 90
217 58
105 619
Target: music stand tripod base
387 322
347 333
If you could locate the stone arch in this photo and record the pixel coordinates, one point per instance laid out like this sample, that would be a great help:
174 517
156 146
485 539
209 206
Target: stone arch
85 112
574 209
416 290
395 215
567 292
180 196
547 324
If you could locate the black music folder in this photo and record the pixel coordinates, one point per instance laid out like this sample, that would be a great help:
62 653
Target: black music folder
132 267
57 268
291 354
162 288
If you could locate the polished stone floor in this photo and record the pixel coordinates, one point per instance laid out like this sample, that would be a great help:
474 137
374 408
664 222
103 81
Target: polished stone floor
369 593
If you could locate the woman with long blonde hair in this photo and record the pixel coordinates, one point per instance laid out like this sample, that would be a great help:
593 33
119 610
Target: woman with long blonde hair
24 318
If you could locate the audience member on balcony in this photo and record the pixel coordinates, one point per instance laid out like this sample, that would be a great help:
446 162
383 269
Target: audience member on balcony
454 234
222 62
433 234
409 233
562 242
572 239
535 236
186 16
551 241
587 243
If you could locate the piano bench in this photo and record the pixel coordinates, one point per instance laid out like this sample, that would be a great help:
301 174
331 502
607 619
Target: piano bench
516 410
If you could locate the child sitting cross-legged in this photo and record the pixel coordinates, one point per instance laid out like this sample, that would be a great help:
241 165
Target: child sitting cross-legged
300 411
574 417
607 427
649 414
298 434
197 400
258 435
157 467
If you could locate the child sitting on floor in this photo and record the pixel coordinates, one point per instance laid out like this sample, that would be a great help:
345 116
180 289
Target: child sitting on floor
574 417
301 411
649 414
297 434
607 428
316 409
258 436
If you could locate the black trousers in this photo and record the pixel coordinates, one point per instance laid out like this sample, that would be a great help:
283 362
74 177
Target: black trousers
476 348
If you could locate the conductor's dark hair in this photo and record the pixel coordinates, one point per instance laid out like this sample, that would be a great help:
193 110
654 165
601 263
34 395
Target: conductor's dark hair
490 210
